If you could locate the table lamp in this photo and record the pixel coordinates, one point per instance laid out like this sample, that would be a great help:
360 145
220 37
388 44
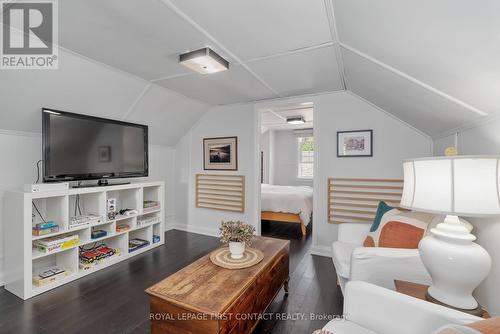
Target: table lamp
454 186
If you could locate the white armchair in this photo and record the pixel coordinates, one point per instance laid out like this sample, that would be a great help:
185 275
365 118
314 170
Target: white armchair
370 309
376 265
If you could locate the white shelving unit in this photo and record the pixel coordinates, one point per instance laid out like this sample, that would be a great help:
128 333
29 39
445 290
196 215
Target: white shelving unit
22 261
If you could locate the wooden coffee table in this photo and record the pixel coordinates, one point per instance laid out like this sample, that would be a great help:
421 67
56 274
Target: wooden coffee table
204 298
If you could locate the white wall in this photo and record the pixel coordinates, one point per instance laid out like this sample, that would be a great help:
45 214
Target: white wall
482 139
223 121
285 159
182 180
393 141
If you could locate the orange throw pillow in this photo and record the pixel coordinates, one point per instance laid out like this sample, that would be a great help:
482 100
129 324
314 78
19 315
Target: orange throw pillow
399 230
397 234
369 242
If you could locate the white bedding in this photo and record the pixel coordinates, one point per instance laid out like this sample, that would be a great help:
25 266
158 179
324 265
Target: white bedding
288 199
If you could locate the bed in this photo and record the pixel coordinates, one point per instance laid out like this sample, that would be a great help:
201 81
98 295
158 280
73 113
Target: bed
287 204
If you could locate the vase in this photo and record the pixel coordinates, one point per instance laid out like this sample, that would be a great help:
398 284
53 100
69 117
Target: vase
237 249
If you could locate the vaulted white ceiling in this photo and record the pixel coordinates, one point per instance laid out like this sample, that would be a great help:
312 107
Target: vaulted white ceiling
434 64
275 49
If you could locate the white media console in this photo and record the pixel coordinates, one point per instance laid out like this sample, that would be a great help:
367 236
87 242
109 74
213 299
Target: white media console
22 260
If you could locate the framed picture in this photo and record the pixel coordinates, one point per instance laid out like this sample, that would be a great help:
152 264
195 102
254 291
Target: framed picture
355 143
220 153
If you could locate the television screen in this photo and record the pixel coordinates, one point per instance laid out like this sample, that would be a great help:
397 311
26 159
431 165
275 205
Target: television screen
80 147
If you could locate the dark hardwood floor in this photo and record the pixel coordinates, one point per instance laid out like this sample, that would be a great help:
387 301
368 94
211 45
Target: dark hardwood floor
113 300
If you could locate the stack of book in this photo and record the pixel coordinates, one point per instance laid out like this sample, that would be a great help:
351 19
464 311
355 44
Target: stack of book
45 228
150 206
53 244
135 244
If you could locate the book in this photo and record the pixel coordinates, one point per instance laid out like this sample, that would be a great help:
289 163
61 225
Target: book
42 226
149 204
45 231
56 243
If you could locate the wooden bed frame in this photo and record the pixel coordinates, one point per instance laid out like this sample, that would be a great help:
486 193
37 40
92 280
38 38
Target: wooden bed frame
284 217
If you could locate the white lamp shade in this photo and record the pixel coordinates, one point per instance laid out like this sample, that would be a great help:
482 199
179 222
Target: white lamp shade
460 185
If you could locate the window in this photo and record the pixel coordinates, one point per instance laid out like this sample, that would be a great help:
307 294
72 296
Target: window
306 157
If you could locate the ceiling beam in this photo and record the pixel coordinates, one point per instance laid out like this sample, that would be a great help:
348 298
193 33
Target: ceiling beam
335 38
291 52
173 76
200 29
414 80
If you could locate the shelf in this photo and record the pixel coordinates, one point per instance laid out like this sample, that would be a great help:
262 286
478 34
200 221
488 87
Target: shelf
59 206
106 263
152 211
106 222
37 254
123 217
104 237
79 228
38 290
142 250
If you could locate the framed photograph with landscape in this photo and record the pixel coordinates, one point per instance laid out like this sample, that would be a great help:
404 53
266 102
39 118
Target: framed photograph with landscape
357 143
220 153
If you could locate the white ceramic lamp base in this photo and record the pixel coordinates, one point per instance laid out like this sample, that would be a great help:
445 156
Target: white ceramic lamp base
456 264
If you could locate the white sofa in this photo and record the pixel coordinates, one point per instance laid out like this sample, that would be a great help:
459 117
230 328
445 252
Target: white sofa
370 309
376 265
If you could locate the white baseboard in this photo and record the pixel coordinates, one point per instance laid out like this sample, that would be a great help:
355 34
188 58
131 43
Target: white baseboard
196 229
321 251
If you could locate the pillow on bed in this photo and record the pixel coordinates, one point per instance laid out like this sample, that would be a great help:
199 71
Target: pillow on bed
399 230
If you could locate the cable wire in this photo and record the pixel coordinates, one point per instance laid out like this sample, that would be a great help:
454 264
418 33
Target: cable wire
38 171
36 208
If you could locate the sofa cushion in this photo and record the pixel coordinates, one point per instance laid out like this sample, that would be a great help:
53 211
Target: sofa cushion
345 327
341 255
399 230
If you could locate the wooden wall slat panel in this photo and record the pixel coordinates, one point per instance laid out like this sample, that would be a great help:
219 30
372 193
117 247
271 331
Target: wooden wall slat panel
354 200
220 192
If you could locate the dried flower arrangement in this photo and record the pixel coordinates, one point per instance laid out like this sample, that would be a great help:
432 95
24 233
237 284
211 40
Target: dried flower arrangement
236 231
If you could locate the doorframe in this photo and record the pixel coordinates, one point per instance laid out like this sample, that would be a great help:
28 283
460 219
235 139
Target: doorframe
258 109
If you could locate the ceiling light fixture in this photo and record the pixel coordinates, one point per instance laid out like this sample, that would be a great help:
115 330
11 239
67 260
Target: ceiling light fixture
204 61
295 120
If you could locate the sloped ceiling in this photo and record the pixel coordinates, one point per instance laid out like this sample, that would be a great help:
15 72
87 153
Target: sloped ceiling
433 64
83 86
276 49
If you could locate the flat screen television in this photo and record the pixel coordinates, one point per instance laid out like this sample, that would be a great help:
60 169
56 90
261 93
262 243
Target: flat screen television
80 147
